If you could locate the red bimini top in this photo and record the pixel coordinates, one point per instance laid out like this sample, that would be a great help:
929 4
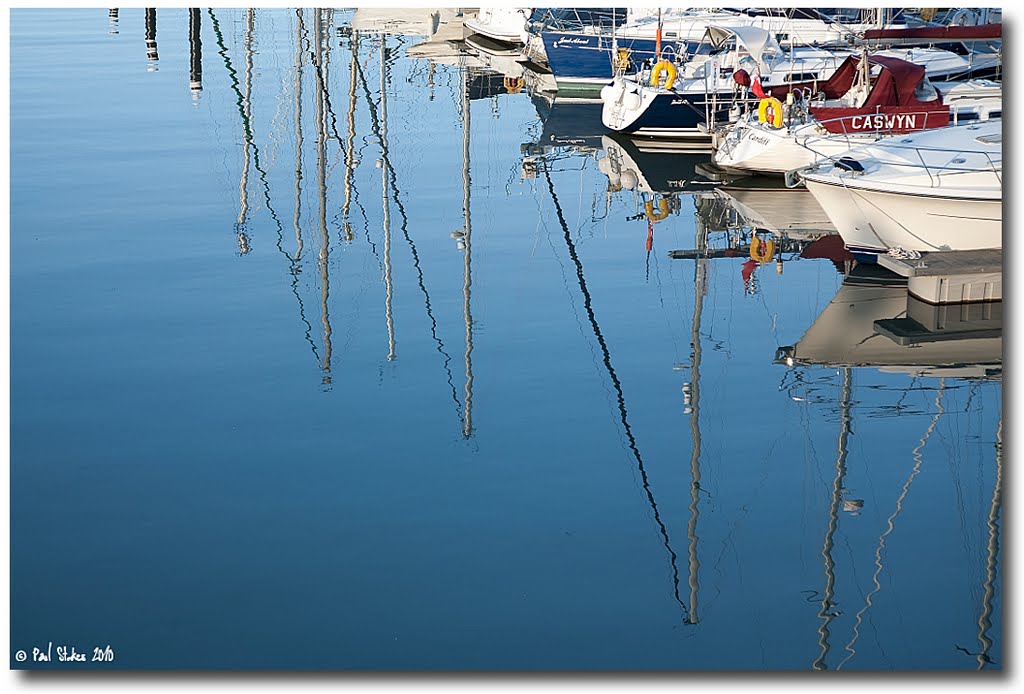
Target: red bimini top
891 105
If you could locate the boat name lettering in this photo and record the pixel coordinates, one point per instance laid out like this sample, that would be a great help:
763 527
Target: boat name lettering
576 41
887 121
760 139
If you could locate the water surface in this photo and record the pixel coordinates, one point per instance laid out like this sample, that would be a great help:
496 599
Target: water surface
355 360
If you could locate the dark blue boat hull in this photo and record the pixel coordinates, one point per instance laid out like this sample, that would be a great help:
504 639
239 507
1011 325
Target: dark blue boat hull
671 111
582 58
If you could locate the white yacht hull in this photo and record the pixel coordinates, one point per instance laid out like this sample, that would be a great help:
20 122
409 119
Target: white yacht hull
762 150
874 221
934 190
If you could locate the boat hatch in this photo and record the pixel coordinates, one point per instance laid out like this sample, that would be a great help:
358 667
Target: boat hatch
993 139
849 164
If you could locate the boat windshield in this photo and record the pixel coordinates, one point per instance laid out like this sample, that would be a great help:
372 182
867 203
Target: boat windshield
926 91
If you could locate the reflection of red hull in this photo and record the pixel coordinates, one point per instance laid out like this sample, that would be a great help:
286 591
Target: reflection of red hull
830 247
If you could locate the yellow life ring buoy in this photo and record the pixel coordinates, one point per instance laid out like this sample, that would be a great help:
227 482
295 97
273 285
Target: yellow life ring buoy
666 67
660 214
762 250
514 85
775 118
928 13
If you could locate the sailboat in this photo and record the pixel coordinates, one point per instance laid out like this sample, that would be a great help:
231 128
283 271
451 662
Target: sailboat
589 58
865 100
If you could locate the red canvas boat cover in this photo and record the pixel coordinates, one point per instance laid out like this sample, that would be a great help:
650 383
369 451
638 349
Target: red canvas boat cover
891 105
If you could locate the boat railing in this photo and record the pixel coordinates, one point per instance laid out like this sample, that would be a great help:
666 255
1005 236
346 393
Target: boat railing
954 161
596 19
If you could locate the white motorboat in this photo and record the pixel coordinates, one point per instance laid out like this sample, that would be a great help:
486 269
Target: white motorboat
936 190
865 100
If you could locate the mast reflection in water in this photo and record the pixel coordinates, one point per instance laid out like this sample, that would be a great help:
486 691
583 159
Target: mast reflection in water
441 375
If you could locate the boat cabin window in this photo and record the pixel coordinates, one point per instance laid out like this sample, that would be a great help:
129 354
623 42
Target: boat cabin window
801 77
926 91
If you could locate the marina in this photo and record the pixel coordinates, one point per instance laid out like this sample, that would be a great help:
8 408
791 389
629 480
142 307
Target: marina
356 339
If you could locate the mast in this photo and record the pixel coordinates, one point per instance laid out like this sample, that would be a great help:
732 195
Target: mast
387 208
692 397
195 43
350 151
657 39
243 184
826 613
296 220
151 53
321 165
467 275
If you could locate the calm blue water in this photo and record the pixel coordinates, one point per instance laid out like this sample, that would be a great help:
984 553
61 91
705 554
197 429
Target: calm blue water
268 412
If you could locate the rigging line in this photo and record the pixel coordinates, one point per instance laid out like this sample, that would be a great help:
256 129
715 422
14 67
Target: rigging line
393 178
322 83
984 623
827 613
247 129
889 522
618 389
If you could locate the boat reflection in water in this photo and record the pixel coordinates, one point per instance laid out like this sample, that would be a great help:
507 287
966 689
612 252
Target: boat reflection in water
766 203
878 324
650 166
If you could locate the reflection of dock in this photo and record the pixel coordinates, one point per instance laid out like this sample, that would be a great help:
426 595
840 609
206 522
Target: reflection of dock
882 326
444 24
948 277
